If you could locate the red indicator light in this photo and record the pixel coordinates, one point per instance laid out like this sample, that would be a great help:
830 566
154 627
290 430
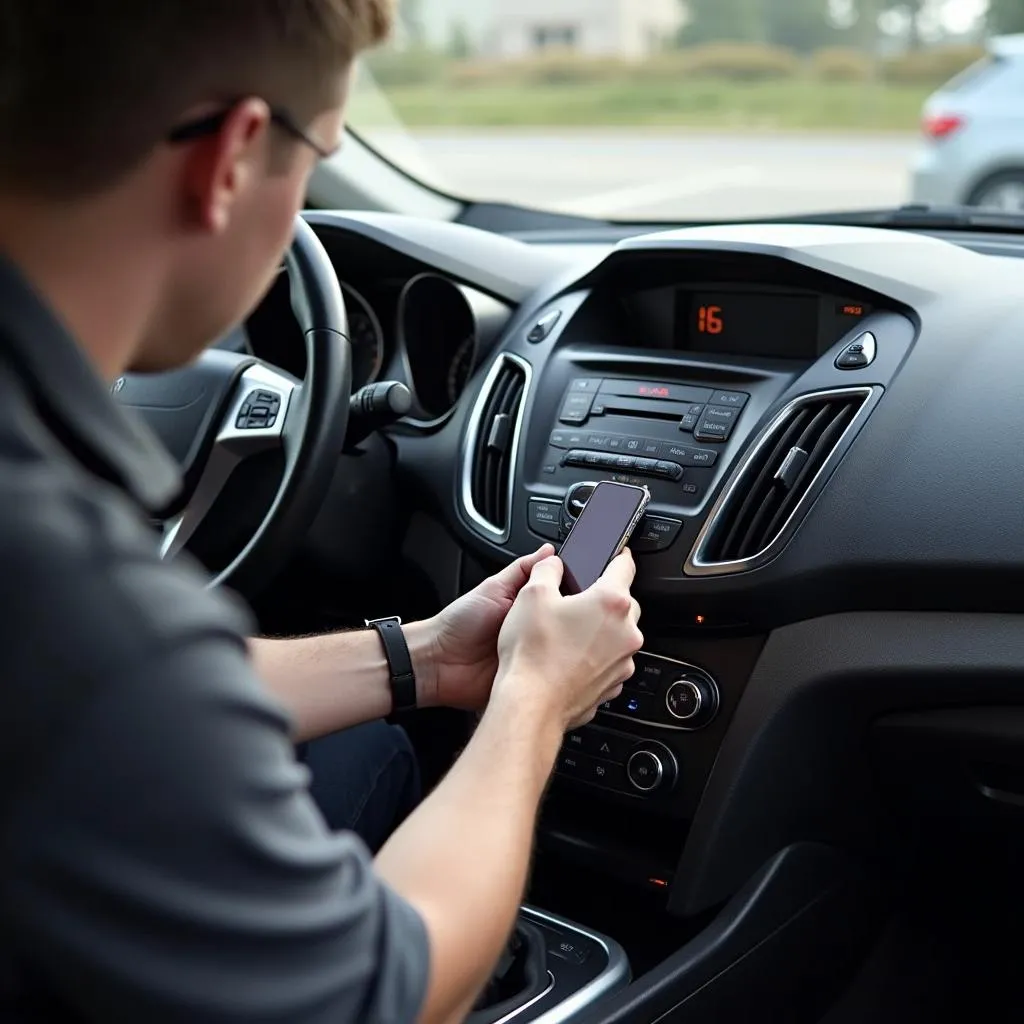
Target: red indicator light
652 392
700 620
659 882
853 310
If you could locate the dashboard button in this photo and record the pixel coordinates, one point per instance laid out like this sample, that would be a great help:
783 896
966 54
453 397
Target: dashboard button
650 674
625 462
693 457
669 470
573 764
859 353
689 422
655 534
576 408
577 498
736 399
610 746
590 384
645 771
605 773
651 449
716 424
599 442
559 439
684 700
545 518
544 326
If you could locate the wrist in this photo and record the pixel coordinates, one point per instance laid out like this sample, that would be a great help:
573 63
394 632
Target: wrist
423 650
520 697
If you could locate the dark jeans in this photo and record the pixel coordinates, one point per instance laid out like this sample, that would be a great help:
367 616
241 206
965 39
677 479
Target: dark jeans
365 780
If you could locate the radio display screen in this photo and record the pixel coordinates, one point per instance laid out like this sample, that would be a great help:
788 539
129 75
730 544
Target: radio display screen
779 326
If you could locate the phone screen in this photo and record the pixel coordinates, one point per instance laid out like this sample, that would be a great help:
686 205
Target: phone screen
598 533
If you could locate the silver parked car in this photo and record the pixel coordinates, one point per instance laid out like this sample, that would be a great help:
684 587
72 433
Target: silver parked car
973 151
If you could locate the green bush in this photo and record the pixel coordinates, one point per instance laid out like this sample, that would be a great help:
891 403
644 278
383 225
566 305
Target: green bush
739 62
841 64
550 68
394 69
933 67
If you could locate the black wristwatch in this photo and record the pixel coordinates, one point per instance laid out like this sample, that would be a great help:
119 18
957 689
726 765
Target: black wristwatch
396 651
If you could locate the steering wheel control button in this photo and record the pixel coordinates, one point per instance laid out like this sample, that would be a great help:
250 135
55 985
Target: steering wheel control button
655 534
859 353
645 771
684 700
542 329
545 518
259 411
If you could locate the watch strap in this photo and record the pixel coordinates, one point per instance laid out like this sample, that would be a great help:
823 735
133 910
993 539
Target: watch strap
396 652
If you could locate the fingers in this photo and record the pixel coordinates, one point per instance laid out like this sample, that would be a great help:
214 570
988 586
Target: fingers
621 572
547 573
515 576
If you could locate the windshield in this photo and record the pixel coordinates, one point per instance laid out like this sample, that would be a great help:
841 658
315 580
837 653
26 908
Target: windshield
676 110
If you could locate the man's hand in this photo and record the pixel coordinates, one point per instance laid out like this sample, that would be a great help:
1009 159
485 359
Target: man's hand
465 638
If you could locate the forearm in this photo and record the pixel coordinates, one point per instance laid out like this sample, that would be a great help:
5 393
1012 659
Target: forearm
462 858
329 683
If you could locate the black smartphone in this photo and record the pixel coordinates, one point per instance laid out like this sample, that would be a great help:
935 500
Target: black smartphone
600 533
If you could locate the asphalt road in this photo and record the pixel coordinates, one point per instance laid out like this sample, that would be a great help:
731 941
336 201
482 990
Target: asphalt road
673 174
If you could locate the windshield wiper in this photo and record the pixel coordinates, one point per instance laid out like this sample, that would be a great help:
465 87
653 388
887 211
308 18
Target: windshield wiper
916 215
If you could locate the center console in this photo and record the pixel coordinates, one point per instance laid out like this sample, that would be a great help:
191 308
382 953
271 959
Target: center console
552 971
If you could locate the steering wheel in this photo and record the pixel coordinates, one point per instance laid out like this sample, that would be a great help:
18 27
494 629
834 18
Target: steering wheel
227 407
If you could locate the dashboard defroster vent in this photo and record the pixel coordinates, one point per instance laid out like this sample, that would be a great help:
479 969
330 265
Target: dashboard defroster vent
492 446
777 481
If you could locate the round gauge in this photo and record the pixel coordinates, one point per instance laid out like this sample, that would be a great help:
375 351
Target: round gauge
460 369
366 337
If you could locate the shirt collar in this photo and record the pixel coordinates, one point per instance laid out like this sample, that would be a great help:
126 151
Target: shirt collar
75 402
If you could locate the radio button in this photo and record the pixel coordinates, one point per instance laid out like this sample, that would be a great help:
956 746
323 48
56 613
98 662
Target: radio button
652 449
655 534
590 384
545 518
626 462
559 439
576 409
669 470
689 422
684 700
717 423
736 399
694 457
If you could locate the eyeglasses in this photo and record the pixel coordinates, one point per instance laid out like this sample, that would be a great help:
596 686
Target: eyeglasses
212 123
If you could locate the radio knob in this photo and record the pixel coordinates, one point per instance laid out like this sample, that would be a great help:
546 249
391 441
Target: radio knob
651 769
692 700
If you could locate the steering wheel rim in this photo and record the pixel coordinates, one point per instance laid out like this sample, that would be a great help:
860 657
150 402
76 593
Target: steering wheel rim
309 425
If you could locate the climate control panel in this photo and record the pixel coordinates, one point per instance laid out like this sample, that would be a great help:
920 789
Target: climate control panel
618 762
666 693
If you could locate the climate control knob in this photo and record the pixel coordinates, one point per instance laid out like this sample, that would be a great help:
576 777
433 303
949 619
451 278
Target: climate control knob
651 769
692 700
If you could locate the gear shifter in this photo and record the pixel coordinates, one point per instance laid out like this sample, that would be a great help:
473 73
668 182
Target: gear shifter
376 406
520 977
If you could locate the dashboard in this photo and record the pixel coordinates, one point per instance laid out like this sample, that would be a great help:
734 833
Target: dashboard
829 421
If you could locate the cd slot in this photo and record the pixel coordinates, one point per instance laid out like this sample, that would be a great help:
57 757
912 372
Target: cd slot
607 405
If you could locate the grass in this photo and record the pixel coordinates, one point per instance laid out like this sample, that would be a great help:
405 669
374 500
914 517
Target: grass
790 104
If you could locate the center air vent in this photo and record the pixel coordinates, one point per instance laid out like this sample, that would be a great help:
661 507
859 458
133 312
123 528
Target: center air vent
492 444
776 482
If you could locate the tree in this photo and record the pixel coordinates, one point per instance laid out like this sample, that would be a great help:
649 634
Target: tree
1006 16
460 46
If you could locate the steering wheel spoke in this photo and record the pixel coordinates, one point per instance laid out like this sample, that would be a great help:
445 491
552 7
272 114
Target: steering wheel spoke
256 421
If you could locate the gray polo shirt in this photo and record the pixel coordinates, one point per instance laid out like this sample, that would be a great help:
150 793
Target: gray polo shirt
160 856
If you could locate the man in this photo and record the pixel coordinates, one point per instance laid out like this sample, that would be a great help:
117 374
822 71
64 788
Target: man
161 858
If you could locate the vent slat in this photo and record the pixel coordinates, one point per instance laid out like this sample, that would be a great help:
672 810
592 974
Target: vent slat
778 478
772 456
493 450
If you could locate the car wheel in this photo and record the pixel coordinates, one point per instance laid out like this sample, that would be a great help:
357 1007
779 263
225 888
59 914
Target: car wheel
1003 191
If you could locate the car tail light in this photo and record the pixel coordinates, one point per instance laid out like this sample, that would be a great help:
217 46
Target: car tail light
941 126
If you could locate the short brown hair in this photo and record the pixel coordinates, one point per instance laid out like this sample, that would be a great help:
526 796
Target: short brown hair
89 87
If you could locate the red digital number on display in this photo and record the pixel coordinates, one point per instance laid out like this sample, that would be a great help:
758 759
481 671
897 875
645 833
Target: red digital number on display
709 320
653 392
853 310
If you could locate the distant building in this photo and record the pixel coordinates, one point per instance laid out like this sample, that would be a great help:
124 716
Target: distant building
628 29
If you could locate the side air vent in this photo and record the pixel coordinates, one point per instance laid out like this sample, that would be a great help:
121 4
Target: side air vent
776 482
492 446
